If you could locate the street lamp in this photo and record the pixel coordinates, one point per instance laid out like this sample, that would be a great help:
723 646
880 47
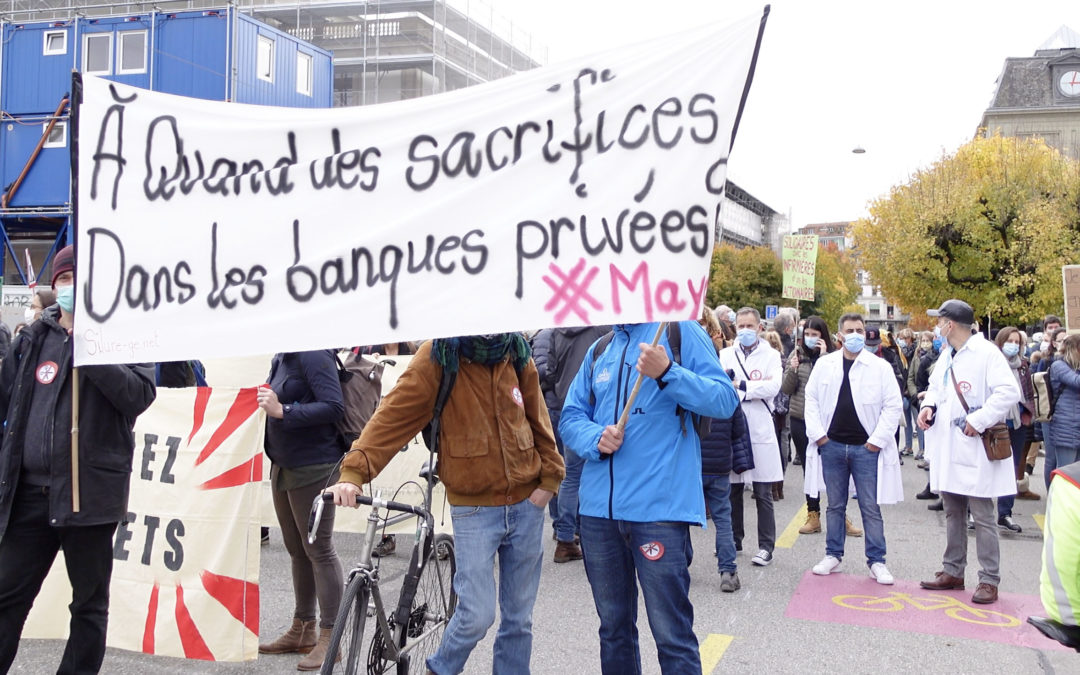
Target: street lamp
858 150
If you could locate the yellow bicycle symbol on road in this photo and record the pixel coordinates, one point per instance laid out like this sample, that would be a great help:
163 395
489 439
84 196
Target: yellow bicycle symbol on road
954 609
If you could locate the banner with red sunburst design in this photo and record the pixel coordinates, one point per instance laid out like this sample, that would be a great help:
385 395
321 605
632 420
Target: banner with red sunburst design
186 563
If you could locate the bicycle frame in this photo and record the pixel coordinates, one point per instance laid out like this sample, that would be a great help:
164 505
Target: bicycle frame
394 647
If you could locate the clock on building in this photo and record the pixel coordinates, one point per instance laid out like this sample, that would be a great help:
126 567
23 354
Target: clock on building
1070 83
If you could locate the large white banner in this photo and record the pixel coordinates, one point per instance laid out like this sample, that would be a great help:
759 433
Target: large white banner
583 193
186 564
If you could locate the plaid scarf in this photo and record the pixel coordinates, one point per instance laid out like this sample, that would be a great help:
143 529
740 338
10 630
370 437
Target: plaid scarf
485 350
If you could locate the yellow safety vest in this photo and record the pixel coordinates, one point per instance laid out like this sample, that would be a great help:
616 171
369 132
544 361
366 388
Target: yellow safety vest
1059 583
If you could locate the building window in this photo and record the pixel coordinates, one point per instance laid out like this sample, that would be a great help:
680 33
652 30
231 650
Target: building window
132 56
303 73
54 42
57 137
264 61
97 53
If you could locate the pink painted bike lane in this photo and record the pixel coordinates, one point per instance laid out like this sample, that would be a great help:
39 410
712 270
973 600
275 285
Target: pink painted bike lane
860 601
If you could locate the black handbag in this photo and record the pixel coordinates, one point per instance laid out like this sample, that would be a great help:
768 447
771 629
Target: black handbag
996 440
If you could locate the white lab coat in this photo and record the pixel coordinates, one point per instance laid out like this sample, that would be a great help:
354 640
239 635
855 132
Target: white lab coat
877 404
762 371
958 463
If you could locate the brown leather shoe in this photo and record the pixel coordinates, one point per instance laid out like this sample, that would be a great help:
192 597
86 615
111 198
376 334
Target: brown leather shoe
943 582
565 551
299 639
314 659
851 530
985 594
777 491
1028 494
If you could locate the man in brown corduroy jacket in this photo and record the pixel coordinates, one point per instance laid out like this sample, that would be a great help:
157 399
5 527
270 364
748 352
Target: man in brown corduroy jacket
500 466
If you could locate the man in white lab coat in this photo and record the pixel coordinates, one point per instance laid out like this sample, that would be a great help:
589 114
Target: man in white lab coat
756 370
959 467
853 409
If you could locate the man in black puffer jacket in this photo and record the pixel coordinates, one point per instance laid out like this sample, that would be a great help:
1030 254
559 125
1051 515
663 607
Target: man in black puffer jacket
725 450
37 516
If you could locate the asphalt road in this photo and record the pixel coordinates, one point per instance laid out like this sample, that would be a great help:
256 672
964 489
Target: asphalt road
753 630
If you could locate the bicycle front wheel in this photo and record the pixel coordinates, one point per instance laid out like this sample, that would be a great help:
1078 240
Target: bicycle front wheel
345 654
433 605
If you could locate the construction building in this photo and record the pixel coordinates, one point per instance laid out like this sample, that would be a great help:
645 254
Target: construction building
214 53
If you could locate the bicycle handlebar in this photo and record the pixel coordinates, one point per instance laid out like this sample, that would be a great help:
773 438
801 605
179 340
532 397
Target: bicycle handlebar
324 498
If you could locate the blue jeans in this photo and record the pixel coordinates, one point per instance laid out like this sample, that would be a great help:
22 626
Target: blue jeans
838 463
564 506
1017 437
911 413
906 419
514 533
717 491
1065 456
660 554
1049 459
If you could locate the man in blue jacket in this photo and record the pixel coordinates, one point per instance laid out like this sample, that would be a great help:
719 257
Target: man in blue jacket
641 488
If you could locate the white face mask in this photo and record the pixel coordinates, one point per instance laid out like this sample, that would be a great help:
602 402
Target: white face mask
29 315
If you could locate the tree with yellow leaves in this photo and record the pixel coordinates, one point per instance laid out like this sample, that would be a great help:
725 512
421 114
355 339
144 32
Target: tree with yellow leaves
753 277
991 224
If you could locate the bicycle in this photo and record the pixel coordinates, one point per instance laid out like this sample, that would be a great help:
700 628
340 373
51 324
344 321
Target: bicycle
405 637
954 609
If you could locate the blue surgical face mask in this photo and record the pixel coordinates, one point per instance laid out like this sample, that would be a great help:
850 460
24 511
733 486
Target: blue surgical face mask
937 344
854 342
902 344
731 317
747 337
65 295
1010 349
810 342
937 331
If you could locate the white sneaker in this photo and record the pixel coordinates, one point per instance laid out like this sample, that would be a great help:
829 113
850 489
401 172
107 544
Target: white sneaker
826 566
762 558
881 574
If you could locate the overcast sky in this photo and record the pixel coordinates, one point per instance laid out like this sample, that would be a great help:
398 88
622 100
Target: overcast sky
906 81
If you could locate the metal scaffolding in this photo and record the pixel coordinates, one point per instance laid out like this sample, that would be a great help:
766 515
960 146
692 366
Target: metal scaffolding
384 50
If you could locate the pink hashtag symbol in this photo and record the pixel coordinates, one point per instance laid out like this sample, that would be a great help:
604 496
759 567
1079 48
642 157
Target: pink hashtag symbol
569 292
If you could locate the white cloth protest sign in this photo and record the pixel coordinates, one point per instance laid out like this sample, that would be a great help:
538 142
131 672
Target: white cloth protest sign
14 300
581 193
186 564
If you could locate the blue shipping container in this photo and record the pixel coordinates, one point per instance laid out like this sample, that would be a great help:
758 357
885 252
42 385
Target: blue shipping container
212 54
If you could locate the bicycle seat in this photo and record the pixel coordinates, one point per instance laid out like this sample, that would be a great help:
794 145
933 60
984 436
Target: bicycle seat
1066 635
425 471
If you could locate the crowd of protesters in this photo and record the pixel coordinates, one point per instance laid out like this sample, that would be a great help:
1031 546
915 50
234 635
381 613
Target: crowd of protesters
720 406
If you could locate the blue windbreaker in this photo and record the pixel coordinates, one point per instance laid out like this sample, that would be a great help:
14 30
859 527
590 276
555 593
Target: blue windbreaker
656 474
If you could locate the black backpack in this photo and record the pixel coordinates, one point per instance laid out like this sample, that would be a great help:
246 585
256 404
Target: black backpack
702 424
431 430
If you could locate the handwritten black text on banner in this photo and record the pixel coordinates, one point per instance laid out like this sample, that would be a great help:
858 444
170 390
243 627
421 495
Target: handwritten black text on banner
575 194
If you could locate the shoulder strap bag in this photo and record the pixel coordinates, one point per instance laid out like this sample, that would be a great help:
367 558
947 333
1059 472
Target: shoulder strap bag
996 440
